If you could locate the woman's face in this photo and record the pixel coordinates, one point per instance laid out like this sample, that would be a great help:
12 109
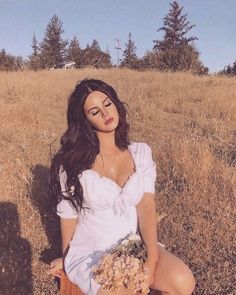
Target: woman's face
101 112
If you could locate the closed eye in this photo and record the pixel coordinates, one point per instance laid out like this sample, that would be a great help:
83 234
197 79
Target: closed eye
94 114
106 105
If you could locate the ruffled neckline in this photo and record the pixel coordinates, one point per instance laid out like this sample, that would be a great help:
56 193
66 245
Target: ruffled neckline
130 177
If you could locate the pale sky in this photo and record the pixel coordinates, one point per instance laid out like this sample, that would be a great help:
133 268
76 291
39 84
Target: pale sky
106 20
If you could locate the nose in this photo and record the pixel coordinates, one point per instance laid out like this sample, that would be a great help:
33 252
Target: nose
104 113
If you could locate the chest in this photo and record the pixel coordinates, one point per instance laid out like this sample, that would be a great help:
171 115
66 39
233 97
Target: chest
117 169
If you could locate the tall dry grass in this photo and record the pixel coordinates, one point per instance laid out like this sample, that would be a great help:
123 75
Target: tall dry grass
190 123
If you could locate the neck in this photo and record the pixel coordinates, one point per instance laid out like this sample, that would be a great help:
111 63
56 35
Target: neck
107 143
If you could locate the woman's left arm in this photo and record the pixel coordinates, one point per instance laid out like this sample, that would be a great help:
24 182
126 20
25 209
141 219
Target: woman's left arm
148 228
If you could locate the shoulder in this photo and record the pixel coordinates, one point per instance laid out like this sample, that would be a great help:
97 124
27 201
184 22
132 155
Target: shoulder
62 179
140 147
142 153
62 175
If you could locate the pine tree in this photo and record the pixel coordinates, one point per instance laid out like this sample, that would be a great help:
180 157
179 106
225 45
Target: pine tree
130 58
228 71
92 55
53 47
95 46
74 52
233 69
176 51
150 60
35 59
9 62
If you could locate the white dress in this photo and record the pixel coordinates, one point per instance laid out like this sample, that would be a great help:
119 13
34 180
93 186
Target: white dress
113 215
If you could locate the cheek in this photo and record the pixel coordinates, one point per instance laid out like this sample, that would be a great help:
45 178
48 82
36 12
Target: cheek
117 115
97 122
94 121
115 111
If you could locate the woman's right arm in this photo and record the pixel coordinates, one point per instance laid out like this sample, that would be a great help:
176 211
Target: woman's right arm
67 226
68 221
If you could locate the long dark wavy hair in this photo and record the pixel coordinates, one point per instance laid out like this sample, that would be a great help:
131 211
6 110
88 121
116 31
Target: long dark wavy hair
80 144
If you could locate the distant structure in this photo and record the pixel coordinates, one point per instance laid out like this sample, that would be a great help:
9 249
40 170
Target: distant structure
69 65
118 48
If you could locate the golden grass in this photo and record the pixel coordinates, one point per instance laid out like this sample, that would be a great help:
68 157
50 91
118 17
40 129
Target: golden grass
190 123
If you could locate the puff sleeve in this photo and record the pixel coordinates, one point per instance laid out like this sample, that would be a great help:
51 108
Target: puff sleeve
65 209
149 170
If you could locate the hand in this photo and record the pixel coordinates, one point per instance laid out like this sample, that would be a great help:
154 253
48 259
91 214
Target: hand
150 267
56 267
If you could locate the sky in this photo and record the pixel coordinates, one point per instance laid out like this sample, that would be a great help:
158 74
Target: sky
108 20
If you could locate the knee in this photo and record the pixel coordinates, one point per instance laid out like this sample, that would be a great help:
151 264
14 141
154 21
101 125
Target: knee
184 282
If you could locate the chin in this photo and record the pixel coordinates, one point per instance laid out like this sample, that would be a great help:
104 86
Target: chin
109 128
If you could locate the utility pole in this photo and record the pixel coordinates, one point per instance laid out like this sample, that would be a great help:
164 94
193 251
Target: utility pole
118 48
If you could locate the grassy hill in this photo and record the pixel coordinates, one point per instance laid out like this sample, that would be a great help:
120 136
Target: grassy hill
190 123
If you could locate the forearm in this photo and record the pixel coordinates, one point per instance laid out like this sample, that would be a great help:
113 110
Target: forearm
67 231
148 225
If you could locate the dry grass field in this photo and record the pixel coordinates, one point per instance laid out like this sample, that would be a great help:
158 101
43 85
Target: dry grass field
190 123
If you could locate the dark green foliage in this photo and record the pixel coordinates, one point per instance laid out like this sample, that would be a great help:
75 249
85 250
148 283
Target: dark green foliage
92 55
53 47
95 46
176 52
175 28
9 62
130 59
34 59
150 60
74 52
229 70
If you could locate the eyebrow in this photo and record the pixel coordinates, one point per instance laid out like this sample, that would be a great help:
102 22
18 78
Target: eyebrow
96 107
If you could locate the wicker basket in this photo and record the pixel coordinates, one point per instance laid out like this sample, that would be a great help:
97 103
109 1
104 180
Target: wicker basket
68 288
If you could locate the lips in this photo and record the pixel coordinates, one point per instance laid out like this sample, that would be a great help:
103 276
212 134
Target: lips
109 121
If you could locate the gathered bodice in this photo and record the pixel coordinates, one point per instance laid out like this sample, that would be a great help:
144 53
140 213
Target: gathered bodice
101 192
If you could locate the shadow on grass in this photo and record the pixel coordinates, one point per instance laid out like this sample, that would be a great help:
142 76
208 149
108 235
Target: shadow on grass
41 199
15 257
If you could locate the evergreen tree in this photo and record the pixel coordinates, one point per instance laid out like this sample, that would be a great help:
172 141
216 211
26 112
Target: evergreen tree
92 55
74 52
3 57
150 60
53 47
130 58
228 70
9 62
95 46
233 69
34 59
176 51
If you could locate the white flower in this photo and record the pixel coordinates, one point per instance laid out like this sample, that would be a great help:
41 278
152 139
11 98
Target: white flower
134 237
125 242
72 190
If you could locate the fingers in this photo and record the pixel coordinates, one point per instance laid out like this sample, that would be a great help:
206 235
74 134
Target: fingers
58 273
56 268
55 272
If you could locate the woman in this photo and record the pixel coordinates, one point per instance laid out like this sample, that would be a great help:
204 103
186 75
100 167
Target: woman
104 189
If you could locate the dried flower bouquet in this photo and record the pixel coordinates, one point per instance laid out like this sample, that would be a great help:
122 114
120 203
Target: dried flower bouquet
124 266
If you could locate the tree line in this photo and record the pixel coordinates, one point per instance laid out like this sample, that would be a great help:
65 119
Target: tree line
175 52
229 70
